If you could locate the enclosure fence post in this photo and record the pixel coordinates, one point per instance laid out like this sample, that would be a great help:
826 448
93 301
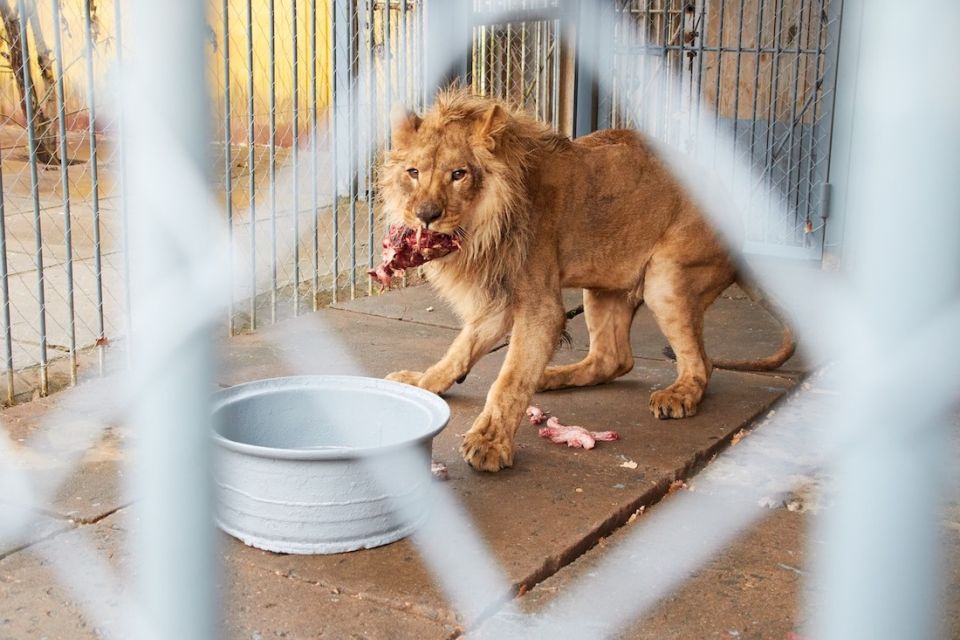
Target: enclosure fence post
5 305
167 119
35 194
228 153
65 187
93 164
879 572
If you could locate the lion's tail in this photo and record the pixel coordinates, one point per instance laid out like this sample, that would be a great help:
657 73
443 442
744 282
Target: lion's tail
788 342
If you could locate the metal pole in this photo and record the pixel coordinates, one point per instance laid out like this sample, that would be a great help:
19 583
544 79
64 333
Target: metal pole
5 286
296 161
716 107
228 155
122 180
352 156
402 38
881 573
828 53
809 134
664 76
480 73
35 194
555 79
371 141
772 117
332 137
793 122
65 180
314 159
422 66
507 48
169 136
701 44
95 182
736 93
753 112
251 169
273 162
540 48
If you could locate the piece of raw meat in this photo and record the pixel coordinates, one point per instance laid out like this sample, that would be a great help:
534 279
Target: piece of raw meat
536 414
404 247
439 470
574 436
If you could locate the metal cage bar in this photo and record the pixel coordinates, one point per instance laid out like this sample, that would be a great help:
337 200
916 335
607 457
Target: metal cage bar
35 197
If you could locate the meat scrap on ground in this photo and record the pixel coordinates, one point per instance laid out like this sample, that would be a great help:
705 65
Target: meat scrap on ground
439 470
536 414
574 436
404 247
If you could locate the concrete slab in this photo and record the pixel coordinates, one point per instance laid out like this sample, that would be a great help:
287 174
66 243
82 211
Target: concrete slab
753 590
93 486
330 342
35 603
555 502
259 603
256 603
735 327
44 526
536 517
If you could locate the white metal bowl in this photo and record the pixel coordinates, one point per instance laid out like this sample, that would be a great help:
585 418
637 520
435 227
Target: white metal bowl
295 461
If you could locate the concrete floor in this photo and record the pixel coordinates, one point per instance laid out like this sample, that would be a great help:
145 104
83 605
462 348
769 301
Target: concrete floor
546 520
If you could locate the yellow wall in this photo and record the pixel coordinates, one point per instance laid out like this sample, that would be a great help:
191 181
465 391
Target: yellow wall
75 72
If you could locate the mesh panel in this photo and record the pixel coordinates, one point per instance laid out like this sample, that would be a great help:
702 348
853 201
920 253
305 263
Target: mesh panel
762 69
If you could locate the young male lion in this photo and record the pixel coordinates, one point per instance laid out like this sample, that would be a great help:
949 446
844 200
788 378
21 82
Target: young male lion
533 212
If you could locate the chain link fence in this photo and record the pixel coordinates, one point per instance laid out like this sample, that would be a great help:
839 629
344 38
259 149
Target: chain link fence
765 70
518 60
301 96
61 259
305 91
302 91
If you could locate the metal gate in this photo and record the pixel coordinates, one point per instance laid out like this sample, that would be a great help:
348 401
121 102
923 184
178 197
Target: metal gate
764 68
516 54
303 91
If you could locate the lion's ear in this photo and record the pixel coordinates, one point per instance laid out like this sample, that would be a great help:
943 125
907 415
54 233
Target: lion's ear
491 126
404 125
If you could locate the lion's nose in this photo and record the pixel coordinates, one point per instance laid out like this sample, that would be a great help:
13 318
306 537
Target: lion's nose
428 212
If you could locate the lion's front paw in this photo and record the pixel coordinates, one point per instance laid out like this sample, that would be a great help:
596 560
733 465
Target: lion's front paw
487 446
406 377
676 401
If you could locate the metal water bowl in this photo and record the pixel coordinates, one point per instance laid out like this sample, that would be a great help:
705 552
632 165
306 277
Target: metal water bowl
321 464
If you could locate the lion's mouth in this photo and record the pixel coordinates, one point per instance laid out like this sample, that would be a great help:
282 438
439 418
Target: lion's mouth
404 247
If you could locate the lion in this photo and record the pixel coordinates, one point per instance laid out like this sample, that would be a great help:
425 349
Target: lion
535 212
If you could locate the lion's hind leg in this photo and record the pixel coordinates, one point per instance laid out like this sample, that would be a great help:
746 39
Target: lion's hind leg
609 315
678 301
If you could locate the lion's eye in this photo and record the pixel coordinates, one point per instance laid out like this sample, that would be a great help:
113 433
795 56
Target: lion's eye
413 173
458 174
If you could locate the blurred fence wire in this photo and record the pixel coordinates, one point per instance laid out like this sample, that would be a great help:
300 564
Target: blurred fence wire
896 364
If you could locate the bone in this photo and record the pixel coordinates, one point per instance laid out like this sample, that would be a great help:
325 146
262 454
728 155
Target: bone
573 435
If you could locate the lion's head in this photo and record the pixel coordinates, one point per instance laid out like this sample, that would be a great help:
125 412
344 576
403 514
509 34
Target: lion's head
443 168
461 169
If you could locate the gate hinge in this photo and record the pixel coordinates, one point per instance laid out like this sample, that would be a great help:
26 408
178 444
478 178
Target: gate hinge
825 189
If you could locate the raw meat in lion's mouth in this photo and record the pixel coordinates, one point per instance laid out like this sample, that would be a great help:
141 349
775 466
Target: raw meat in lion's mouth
574 436
404 247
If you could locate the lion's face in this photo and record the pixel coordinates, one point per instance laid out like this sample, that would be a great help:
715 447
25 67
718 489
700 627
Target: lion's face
435 173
